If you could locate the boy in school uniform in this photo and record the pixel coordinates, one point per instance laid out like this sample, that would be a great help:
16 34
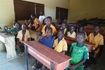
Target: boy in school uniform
81 30
79 53
97 39
48 23
22 36
71 32
48 39
60 44
63 27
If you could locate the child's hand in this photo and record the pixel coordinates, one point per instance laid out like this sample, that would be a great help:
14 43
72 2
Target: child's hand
73 67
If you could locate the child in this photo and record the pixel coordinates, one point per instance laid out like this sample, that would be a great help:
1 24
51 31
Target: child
71 33
41 17
48 39
37 24
48 23
81 30
60 44
22 36
79 53
63 27
97 39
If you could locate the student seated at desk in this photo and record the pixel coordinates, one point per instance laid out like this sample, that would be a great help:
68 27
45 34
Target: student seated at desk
71 32
37 24
60 44
22 36
63 27
97 39
48 39
31 22
81 30
79 53
48 23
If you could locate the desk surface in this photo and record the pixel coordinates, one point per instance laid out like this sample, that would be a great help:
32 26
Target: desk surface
49 53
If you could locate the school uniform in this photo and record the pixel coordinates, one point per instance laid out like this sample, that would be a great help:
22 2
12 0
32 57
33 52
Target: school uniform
53 29
77 54
60 46
97 40
72 35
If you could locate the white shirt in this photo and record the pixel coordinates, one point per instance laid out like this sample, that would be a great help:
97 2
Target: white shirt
41 18
72 35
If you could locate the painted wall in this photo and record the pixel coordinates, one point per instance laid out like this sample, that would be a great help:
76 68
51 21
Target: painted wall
103 9
50 6
7 9
6 12
79 9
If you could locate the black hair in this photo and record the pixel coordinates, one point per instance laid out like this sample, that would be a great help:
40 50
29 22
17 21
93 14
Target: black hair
83 34
49 17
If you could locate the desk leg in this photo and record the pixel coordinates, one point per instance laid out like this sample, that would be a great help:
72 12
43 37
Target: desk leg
52 66
26 57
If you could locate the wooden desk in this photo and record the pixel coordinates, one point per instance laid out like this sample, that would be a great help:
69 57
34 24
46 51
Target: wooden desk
48 57
71 40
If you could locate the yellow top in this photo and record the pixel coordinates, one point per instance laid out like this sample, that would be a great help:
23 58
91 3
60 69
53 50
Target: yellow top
20 35
61 46
53 29
97 40
36 22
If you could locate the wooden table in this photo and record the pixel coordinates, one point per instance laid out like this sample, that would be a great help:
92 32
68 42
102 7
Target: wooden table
9 42
71 40
47 56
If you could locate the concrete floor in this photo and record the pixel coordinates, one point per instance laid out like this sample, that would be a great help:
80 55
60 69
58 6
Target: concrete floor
19 63
14 64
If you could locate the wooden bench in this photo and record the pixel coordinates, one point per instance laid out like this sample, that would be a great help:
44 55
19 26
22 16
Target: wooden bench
47 56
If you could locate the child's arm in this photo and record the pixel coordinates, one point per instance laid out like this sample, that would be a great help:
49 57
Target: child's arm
73 67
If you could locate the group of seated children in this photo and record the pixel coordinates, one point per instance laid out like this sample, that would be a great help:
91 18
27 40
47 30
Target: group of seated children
55 39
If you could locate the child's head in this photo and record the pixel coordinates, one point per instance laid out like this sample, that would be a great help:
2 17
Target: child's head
48 20
96 29
72 28
80 38
60 34
63 25
48 31
17 25
81 29
23 27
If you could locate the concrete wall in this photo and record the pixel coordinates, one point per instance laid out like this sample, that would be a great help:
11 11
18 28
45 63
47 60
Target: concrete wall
79 9
6 12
